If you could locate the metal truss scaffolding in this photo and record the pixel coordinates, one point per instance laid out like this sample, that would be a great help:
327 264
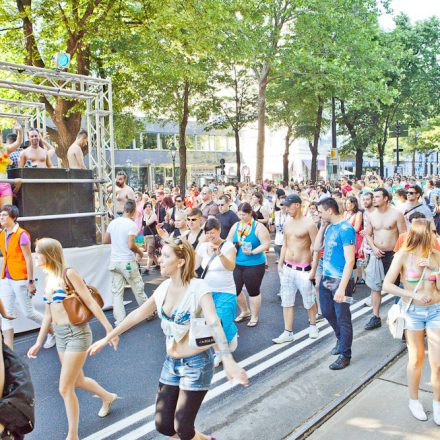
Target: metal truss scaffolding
96 92
33 113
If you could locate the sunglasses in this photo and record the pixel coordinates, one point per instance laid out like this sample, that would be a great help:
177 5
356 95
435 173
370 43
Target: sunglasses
411 192
221 204
193 219
178 201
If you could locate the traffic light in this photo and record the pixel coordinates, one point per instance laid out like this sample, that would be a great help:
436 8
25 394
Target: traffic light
222 167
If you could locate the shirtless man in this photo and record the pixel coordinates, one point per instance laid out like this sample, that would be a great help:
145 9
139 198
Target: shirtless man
75 153
294 268
382 231
39 156
123 192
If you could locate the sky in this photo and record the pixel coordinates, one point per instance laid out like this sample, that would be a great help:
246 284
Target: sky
415 9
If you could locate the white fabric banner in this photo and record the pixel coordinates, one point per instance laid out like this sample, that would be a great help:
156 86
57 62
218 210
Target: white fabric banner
90 262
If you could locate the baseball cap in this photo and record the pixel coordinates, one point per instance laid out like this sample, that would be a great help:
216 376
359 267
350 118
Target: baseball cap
293 198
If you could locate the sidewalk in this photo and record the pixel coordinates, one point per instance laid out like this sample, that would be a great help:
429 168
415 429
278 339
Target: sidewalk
380 411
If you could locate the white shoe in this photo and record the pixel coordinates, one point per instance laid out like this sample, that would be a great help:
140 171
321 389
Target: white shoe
436 412
368 301
106 407
50 341
284 337
417 410
313 332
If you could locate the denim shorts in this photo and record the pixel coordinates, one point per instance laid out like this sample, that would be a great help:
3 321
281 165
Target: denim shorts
192 373
422 317
71 337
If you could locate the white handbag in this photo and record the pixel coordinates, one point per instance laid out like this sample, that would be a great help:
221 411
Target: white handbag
200 333
396 314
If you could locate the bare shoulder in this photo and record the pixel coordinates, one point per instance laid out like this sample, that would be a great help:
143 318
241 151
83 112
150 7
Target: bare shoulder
394 212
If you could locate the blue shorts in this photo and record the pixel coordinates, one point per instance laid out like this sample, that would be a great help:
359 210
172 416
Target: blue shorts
225 306
422 317
193 373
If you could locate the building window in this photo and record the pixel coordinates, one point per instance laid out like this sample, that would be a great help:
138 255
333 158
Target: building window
149 141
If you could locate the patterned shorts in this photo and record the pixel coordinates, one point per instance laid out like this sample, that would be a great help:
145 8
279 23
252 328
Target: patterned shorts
293 280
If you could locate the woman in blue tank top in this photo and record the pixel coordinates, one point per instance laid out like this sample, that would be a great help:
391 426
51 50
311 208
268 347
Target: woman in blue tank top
251 239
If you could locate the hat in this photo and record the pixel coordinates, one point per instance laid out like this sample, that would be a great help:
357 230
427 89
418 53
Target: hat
280 192
293 198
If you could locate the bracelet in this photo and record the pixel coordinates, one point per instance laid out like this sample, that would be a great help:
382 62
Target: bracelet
222 353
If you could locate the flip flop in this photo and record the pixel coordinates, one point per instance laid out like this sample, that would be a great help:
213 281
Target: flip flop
241 317
252 323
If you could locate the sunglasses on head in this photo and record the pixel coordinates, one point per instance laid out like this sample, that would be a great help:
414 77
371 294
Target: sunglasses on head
177 241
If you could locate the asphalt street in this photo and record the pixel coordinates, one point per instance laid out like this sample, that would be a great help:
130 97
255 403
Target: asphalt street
133 371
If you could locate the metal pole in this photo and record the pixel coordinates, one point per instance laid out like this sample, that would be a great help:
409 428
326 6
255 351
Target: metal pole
174 171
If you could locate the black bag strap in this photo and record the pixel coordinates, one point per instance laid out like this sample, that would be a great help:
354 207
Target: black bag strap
209 262
412 209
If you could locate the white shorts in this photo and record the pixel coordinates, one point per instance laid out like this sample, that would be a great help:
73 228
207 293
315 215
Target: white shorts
293 280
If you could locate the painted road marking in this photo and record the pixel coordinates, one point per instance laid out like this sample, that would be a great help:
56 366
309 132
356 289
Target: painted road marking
149 411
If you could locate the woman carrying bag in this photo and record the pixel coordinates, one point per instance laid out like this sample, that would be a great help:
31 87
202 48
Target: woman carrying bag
419 264
72 341
189 364
217 259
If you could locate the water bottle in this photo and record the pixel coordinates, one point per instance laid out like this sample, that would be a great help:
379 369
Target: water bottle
128 267
246 246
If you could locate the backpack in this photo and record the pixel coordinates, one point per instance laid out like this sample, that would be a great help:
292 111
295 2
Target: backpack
17 405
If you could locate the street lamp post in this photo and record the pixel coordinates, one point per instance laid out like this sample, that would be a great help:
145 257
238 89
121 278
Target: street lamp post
128 164
173 151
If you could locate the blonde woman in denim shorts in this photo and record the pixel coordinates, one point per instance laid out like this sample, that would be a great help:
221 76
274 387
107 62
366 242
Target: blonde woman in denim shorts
72 341
418 263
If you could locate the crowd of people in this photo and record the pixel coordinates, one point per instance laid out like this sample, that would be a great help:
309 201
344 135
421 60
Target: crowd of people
211 247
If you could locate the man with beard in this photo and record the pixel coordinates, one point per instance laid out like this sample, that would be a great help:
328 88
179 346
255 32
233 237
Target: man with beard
123 192
382 231
75 153
39 156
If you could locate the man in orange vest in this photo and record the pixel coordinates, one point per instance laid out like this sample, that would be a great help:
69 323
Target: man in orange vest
17 277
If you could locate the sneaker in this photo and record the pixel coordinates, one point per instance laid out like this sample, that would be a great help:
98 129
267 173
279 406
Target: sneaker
374 322
319 317
436 411
284 337
417 410
340 363
368 302
313 332
106 407
50 341
335 350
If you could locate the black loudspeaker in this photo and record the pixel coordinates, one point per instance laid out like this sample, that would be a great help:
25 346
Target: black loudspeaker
36 199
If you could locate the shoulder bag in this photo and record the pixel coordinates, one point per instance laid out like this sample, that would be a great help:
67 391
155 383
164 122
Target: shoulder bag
396 313
200 333
210 261
77 312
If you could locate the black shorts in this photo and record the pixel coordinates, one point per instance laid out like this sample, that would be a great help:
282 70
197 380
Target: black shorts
387 259
249 276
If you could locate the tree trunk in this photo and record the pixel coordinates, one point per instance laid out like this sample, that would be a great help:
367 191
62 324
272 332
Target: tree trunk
65 134
381 151
182 138
359 161
313 166
262 86
414 163
286 155
237 153
314 147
